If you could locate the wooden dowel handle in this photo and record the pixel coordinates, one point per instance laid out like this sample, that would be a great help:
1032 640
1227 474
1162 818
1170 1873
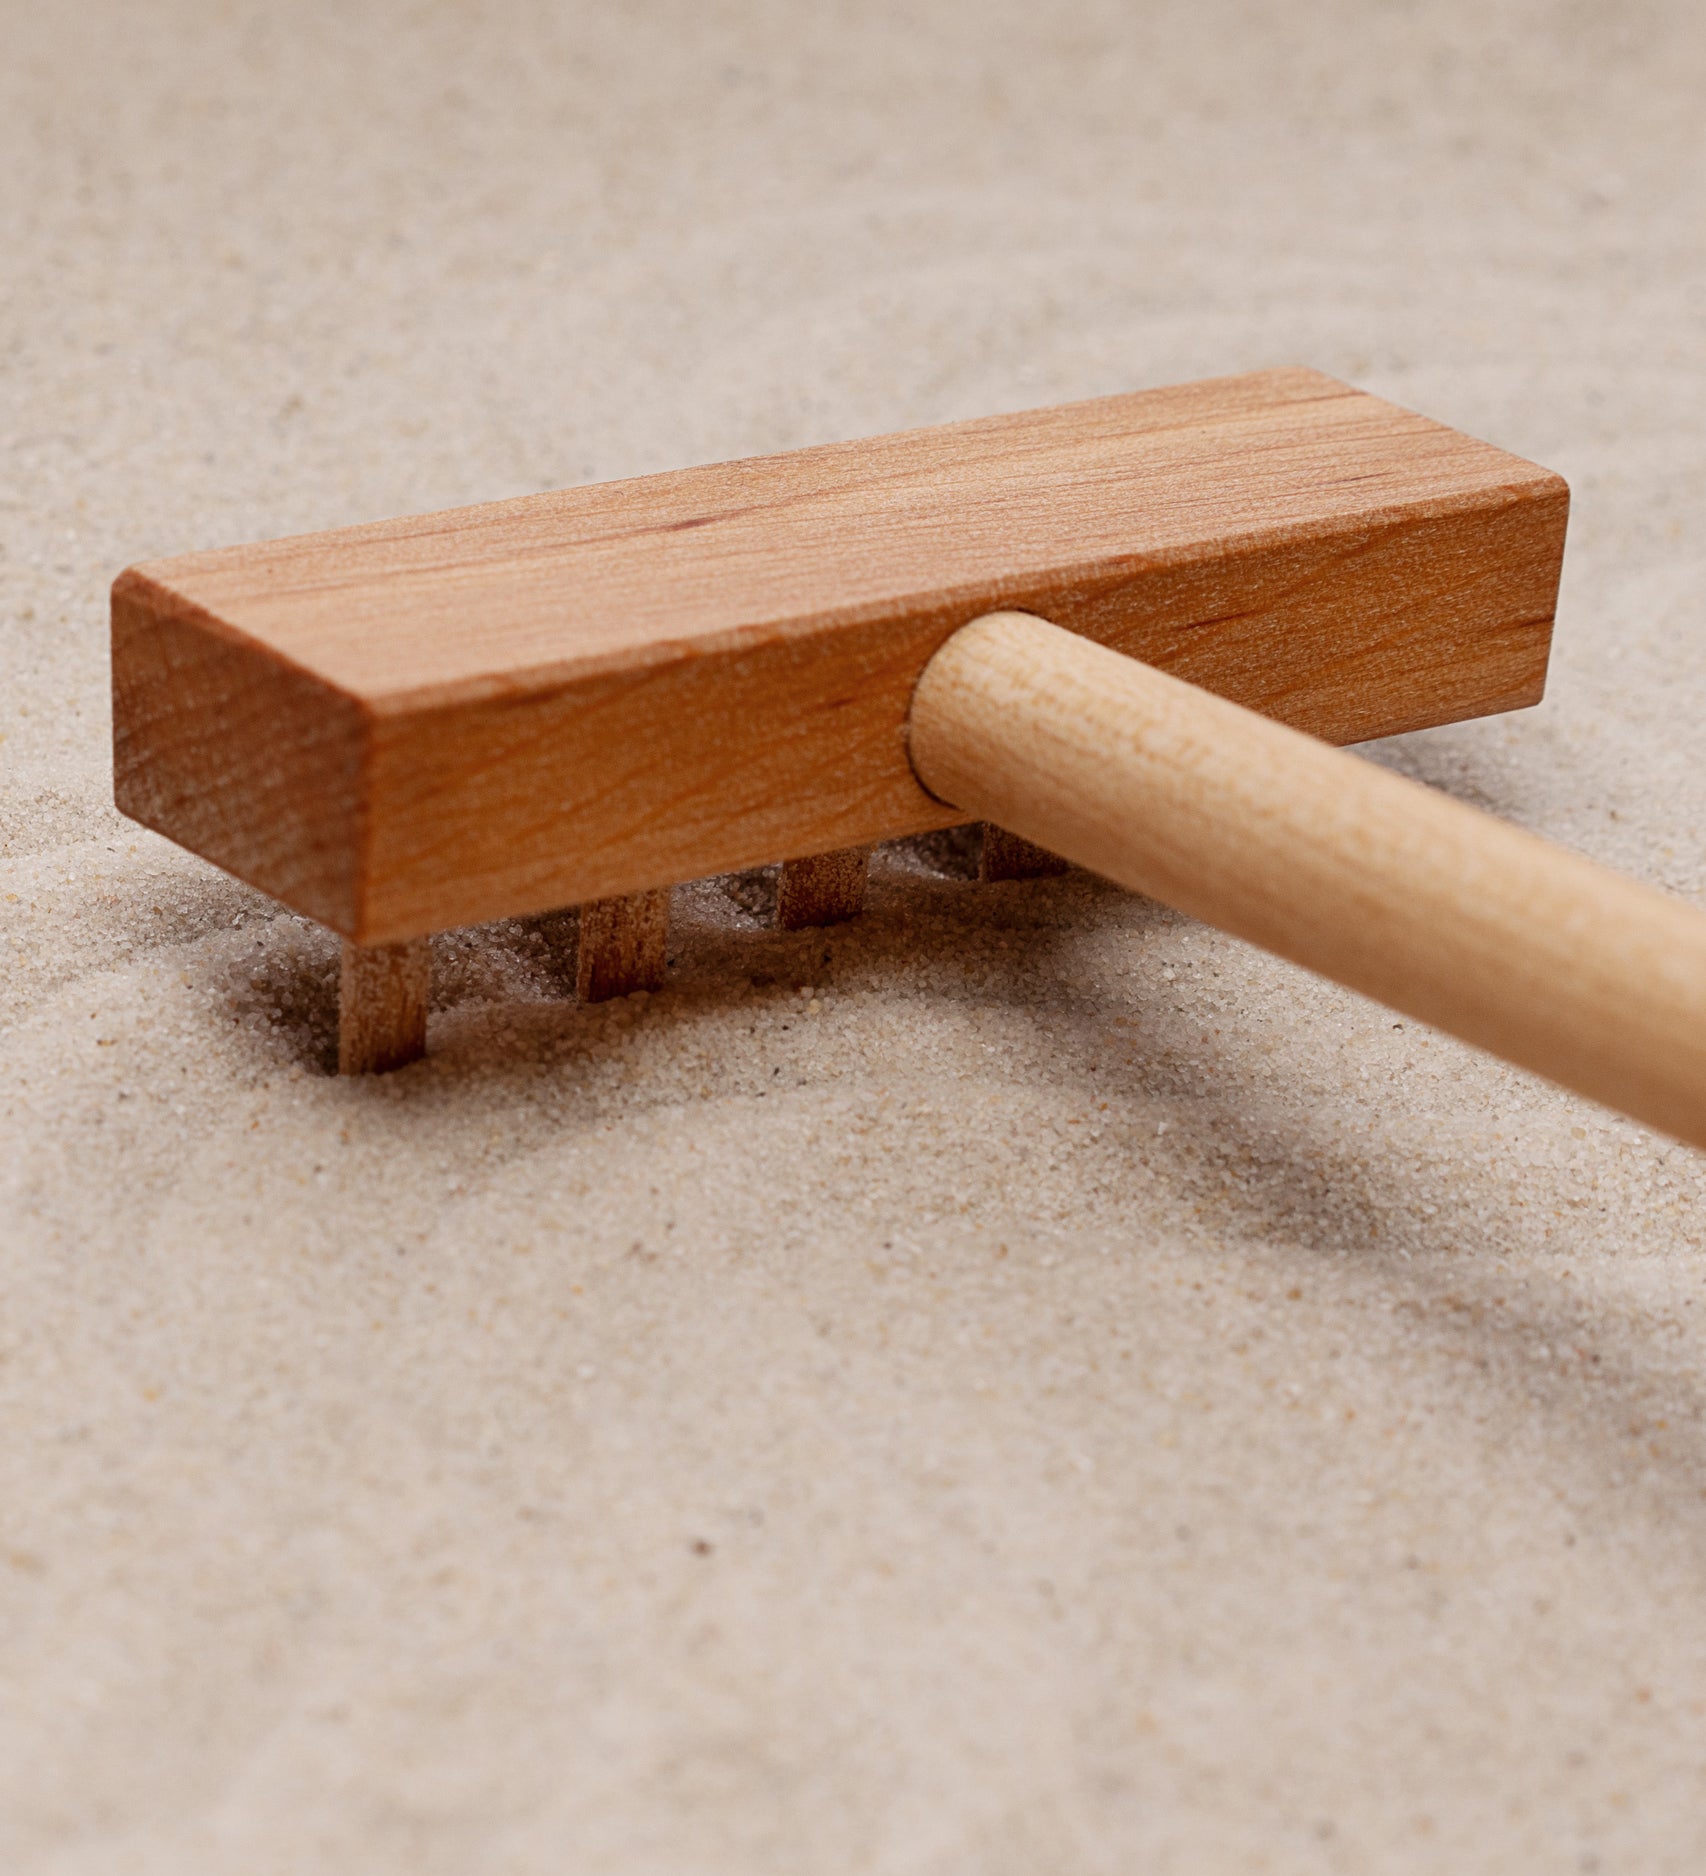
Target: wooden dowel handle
1406 895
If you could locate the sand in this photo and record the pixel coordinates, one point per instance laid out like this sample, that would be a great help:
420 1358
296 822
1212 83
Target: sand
1018 1384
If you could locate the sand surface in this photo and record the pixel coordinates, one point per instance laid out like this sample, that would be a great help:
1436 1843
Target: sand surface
1021 1384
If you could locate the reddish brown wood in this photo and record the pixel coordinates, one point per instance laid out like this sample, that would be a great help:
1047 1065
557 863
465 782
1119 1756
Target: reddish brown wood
579 696
827 889
383 995
1008 856
624 946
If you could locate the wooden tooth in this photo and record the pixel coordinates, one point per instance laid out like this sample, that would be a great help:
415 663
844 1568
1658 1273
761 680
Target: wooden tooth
1006 856
823 889
624 945
383 993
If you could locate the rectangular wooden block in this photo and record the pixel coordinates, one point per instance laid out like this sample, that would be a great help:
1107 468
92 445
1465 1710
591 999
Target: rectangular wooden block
432 722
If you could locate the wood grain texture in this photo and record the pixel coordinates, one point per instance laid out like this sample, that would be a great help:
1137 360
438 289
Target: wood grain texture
577 696
624 946
241 757
383 995
1440 911
1006 855
822 889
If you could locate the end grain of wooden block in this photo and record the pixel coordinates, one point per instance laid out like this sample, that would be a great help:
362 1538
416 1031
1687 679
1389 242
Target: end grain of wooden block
624 945
383 993
1006 856
824 889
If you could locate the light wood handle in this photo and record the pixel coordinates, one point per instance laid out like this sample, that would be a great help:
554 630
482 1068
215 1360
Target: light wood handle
1404 894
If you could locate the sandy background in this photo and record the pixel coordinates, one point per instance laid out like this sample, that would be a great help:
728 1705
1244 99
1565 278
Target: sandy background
1067 1394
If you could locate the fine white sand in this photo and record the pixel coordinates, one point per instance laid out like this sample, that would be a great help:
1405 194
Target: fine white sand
1020 1384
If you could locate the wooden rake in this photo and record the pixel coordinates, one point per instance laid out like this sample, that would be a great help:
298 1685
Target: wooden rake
1125 631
